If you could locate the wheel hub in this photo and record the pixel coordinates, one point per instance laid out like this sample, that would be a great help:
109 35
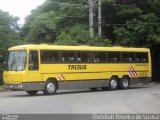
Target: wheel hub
125 83
114 83
50 87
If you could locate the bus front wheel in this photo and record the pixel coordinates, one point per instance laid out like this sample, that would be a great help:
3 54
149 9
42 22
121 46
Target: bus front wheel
32 92
113 83
50 87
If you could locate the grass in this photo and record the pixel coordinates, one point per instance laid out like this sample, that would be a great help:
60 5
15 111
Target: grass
1 88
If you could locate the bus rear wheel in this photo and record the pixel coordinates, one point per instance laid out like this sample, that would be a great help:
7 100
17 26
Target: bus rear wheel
113 83
124 82
50 87
32 92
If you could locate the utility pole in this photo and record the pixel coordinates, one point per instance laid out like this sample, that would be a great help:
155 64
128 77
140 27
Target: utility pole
99 18
91 23
91 4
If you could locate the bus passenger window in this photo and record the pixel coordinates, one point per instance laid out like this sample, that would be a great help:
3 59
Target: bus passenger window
99 56
125 57
48 56
114 57
95 57
78 59
64 56
142 57
129 57
55 56
72 56
102 56
84 56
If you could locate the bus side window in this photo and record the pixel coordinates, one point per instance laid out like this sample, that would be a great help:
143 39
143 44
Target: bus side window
33 60
72 56
85 56
142 57
128 57
95 57
114 57
79 59
99 57
64 56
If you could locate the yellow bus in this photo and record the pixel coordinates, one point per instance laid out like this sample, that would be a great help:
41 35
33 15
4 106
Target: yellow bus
46 68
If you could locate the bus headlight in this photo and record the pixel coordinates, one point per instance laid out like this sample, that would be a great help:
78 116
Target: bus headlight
20 86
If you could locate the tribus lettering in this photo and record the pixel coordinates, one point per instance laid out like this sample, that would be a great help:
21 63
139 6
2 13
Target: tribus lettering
77 67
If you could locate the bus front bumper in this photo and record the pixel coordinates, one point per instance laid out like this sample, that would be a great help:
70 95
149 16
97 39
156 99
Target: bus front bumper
24 86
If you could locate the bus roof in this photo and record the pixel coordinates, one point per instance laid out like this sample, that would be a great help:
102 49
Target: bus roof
81 47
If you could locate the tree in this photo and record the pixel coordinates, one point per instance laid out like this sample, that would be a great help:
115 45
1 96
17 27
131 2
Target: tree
143 30
8 35
65 23
124 22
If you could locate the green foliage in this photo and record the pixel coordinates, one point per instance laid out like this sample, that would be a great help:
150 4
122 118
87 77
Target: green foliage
65 39
9 33
42 29
60 24
141 32
128 10
48 24
79 35
125 22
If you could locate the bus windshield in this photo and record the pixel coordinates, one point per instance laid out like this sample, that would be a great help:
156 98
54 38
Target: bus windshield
16 61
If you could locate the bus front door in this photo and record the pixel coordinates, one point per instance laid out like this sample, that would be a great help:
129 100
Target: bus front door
33 67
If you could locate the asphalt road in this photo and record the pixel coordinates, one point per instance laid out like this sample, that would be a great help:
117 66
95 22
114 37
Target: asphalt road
139 99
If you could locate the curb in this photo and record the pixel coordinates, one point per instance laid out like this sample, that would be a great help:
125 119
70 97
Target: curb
151 83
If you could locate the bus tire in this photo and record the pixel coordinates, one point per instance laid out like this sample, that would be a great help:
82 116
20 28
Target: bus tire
50 87
124 82
32 92
113 83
